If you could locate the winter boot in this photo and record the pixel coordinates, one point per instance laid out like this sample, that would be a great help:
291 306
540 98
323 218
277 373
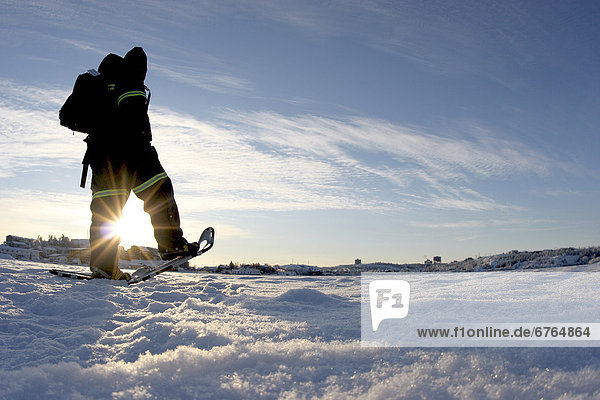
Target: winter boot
117 274
183 248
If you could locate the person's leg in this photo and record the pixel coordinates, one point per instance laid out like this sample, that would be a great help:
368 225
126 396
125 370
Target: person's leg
155 189
109 196
159 203
104 240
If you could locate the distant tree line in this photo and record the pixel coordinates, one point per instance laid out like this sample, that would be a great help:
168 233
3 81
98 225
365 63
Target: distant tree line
54 241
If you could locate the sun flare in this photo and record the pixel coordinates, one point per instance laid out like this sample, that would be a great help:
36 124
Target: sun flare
135 228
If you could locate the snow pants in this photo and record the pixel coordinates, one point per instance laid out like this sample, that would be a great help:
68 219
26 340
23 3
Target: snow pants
114 175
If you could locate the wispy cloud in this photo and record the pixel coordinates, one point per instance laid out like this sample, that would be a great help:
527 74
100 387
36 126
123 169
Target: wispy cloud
224 170
477 224
30 135
267 160
85 46
202 78
422 168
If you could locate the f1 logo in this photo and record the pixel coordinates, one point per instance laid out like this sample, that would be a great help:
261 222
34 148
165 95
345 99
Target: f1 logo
389 299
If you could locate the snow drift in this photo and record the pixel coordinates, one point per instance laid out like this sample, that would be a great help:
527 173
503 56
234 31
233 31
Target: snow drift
191 335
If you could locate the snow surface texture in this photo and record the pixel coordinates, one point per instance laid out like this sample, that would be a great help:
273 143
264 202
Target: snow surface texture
190 335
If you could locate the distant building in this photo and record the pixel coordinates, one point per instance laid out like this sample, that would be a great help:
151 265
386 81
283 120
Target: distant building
437 260
358 261
20 253
18 241
428 262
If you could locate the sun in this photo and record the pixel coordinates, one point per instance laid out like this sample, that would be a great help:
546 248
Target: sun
135 228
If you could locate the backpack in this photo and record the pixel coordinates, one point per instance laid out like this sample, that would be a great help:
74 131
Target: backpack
82 111
114 100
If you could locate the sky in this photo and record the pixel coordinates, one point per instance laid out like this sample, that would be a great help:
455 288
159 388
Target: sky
320 132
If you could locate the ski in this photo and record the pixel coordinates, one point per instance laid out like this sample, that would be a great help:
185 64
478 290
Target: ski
71 274
205 242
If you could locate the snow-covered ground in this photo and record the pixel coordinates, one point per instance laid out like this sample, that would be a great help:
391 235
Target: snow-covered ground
191 335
